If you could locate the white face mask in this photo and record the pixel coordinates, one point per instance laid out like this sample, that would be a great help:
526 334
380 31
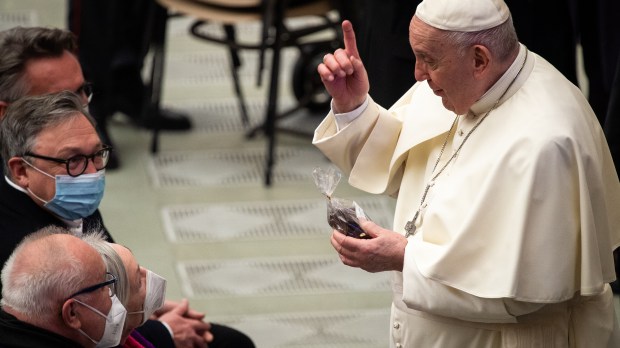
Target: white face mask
155 295
114 323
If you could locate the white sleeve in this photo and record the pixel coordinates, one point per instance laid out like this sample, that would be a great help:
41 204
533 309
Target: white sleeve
427 295
342 120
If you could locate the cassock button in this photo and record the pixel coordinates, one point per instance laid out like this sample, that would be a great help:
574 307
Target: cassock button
398 345
396 326
461 132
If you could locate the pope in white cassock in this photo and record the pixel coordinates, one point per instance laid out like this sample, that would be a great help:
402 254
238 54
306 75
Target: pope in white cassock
508 203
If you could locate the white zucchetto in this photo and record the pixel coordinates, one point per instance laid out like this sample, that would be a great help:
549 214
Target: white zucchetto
463 15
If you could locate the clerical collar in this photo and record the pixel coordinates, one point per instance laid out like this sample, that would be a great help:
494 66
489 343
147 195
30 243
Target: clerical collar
487 101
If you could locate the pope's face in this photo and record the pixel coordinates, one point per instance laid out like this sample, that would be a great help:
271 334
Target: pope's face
448 72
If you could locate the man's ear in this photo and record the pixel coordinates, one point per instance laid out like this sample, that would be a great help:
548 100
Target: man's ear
3 106
482 60
17 171
69 316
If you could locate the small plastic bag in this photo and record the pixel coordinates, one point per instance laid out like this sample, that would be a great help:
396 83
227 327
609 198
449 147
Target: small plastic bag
342 214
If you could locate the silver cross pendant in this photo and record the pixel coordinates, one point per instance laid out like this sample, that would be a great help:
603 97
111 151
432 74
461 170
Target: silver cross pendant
410 227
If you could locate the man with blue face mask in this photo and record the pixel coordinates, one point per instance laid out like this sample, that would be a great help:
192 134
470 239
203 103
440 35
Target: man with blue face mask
54 161
57 293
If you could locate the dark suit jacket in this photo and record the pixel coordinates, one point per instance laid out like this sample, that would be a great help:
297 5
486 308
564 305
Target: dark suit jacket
15 333
20 216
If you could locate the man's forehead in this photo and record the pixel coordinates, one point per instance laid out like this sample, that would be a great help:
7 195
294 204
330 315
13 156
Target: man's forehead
73 135
53 74
422 32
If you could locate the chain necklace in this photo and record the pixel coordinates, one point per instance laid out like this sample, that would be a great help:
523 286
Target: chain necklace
410 227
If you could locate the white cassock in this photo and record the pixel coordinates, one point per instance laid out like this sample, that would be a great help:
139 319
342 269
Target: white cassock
515 237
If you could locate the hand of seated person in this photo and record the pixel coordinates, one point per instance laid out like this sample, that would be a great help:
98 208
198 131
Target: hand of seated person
189 331
170 305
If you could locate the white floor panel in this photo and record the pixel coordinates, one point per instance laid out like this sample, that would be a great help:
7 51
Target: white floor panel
234 167
277 276
266 220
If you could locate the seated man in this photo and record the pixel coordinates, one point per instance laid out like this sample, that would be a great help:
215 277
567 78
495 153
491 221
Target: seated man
54 164
57 294
141 291
54 168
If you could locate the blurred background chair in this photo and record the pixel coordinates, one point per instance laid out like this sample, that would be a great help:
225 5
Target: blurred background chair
274 35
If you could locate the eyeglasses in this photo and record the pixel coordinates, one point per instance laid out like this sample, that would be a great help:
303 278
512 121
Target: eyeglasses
86 89
110 282
77 164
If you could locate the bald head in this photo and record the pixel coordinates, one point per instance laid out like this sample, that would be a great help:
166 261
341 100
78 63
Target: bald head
44 270
41 253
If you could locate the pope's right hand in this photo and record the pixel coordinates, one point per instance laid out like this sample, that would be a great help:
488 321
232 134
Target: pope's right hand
344 75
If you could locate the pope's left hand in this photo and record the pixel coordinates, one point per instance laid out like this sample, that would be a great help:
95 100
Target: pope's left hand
384 252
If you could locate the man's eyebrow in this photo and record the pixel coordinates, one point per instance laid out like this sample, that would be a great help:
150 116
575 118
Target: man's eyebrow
76 150
70 150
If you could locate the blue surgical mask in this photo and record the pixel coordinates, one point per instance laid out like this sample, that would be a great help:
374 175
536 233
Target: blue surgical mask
76 197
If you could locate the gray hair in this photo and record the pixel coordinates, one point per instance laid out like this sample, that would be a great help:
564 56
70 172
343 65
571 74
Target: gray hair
36 292
29 116
19 45
501 40
113 262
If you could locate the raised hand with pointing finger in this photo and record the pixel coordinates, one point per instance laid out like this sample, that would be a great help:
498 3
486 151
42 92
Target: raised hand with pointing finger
344 75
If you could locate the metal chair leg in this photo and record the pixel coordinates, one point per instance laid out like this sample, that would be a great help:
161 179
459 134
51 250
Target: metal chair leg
154 87
235 64
271 115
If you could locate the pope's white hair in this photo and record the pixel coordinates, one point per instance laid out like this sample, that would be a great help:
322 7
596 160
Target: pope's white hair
501 40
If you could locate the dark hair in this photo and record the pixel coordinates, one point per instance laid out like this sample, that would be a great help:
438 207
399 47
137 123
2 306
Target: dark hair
30 115
18 45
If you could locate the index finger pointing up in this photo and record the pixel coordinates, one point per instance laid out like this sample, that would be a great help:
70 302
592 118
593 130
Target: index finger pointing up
350 45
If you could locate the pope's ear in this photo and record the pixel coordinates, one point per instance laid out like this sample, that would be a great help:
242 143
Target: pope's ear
69 315
482 59
17 171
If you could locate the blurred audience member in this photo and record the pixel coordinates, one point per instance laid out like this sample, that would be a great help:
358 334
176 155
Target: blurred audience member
114 38
37 61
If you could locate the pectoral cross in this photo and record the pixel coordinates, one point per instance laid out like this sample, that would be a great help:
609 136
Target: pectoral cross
410 227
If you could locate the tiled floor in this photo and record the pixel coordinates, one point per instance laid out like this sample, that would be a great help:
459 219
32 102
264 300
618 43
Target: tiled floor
197 213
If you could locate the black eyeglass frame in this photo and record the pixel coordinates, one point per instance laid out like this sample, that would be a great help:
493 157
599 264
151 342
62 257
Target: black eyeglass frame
98 286
90 157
